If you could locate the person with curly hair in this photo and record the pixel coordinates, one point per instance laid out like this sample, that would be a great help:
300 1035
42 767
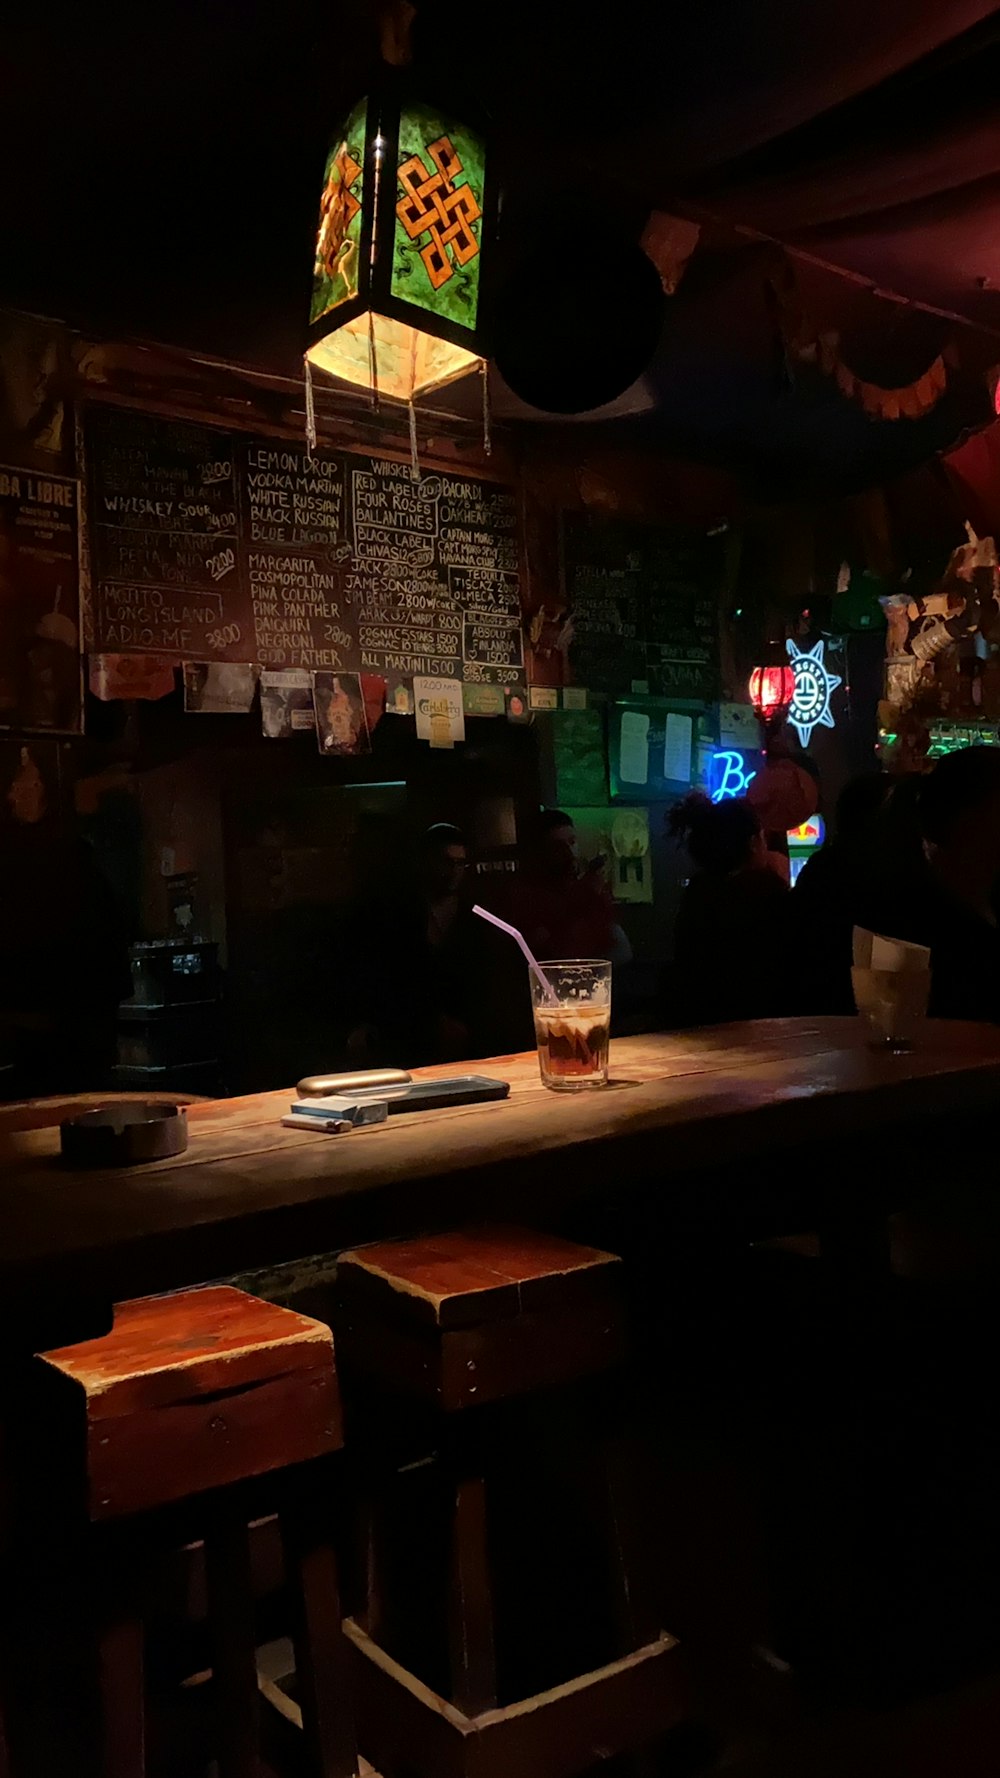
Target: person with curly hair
732 938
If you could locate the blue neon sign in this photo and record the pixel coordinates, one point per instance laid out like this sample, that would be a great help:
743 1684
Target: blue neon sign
728 775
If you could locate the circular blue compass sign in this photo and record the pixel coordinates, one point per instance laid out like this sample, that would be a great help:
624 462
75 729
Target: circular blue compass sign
814 687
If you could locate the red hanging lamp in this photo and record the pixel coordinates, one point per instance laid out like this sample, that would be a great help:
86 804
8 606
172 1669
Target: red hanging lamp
771 692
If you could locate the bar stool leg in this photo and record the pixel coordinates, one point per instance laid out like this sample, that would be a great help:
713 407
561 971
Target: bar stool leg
321 1651
470 1593
234 1654
120 1657
120 1666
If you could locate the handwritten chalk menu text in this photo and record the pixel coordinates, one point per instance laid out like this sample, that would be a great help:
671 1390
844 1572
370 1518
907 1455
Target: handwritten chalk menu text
213 547
293 556
645 606
429 557
163 507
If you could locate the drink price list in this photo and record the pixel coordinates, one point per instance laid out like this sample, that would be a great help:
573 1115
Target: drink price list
209 546
434 579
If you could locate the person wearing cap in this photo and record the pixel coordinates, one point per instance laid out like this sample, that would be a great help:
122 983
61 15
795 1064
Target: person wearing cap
427 980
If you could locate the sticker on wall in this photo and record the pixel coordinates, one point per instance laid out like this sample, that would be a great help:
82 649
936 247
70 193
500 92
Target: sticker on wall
286 703
373 691
814 687
399 697
483 700
738 727
574 697
341 723
677 742
808 833
517 705
543 697
40 667
440 717
147 676
218 688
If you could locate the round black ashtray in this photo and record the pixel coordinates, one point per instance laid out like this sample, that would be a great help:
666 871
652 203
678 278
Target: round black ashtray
121 1135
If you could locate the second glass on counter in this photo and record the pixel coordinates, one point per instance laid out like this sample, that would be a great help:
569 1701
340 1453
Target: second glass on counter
573 1029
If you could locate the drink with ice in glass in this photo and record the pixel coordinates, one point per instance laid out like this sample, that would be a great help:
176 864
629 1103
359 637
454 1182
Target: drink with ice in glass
573 1023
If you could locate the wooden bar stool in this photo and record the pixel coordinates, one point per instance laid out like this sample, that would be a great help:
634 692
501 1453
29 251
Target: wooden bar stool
168 1419
474 1327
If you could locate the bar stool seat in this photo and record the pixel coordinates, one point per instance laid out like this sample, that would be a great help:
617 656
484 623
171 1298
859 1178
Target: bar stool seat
470 1326
168 1420
476 1316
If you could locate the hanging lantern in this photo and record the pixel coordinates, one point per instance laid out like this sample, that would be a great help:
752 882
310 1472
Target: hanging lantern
402 228
771 692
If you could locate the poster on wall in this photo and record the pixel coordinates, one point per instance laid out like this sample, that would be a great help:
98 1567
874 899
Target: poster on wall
617 842
40 666
341 718
34 363
440 713
218 688
32 788
579 757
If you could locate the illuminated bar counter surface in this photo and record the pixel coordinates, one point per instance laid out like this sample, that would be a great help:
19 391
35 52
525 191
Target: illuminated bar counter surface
750 1130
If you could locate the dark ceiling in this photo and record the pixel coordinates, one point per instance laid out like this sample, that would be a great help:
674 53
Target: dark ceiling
161 164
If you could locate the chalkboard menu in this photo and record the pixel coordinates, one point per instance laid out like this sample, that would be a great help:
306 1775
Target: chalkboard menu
645 607
210 546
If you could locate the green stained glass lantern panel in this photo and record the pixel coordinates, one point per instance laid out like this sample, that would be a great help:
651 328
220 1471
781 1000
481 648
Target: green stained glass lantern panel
438 223
335 274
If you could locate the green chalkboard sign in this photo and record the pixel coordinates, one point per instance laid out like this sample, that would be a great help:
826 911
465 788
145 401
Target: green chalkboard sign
645 604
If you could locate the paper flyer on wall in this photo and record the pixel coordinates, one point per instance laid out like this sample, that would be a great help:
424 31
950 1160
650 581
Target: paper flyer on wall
341 721
633 765
440 717
219 688
40 664
398 696
146 676
677 743
286 702
483 700
738 727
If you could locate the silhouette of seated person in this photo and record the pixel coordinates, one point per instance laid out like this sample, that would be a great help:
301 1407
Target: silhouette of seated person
424 969
732 936
563 910
945 895
835 891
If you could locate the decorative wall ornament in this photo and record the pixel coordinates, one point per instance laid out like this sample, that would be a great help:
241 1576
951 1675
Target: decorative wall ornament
940 646
805 343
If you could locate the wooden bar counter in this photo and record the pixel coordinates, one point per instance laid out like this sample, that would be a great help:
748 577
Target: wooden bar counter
750 1129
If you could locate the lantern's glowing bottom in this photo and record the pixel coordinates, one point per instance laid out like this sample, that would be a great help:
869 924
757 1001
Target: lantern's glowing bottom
408 363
